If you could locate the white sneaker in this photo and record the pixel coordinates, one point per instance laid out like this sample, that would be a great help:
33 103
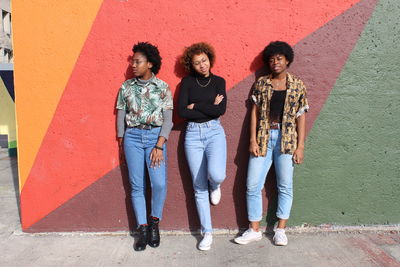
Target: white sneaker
215 196
280 238
249 236
205 244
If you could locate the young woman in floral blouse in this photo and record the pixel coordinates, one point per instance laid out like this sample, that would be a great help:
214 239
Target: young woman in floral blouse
145 105
277 133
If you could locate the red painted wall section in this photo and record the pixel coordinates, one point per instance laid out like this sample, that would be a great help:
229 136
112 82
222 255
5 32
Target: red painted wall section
80 145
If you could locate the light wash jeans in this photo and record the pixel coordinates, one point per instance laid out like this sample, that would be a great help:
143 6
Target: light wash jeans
257 173
205 148
138 144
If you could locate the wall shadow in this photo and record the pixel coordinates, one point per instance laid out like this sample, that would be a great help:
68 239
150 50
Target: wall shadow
128 72
240 96
128 201
15 177
239 188
122 163
241 159
271 195
193 218
180 127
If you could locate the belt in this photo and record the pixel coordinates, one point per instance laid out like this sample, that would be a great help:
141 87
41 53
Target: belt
145 126
207 124
275 125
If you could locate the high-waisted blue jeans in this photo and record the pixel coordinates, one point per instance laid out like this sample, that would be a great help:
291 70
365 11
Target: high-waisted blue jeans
138 144
257 173
205 148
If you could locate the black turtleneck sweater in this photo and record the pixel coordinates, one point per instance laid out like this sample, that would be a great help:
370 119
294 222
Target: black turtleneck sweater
202 97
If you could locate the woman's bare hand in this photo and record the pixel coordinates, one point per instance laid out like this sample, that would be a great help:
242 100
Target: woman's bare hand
254 149
156 158
298 156
218 99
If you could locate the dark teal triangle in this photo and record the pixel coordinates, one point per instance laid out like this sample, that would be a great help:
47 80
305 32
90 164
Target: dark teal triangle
8 78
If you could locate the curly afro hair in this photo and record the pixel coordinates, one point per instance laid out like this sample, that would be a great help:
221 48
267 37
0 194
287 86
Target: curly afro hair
278 47
151 53
196 49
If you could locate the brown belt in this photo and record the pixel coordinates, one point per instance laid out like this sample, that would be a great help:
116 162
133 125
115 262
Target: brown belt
145 126
275 125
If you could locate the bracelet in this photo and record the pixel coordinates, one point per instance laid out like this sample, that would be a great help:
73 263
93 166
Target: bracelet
159 148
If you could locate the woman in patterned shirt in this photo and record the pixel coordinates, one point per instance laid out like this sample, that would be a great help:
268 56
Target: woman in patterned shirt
145 105
277 133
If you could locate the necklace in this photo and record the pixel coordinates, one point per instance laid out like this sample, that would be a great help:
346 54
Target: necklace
205 84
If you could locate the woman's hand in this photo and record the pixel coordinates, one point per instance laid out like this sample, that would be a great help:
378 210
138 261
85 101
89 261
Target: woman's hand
254 149
298 155
156 158
218 99
190 106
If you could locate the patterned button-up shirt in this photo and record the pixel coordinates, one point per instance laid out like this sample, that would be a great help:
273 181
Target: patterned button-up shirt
295 105
144 103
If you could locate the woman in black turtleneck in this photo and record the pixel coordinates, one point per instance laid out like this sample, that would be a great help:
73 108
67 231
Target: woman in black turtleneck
202 100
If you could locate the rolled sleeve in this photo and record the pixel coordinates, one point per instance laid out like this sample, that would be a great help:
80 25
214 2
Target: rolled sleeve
121 101
303 101
167 102
256 94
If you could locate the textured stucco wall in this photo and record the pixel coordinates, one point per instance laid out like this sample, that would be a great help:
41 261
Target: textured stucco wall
352 171
70 174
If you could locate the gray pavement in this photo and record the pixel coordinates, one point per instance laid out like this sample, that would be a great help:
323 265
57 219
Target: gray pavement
356 246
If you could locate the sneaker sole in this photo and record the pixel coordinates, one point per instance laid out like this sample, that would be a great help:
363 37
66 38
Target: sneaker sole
247 242
214 204
205 248
281 244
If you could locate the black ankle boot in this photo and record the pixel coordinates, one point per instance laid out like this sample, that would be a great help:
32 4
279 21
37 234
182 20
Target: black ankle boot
143 238
154 233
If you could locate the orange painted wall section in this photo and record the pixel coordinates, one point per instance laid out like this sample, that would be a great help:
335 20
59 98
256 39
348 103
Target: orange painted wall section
71 57
48 37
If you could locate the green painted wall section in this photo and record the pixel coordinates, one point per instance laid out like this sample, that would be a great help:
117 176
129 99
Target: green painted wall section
12 144
12 149
352 166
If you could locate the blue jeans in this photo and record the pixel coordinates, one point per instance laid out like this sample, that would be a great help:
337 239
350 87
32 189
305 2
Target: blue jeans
138 144
257 173
205 148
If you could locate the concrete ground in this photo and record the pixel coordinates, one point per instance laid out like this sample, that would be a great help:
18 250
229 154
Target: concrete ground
368 246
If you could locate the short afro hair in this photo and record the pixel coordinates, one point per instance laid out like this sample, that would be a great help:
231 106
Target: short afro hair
197 49
151 53
278 47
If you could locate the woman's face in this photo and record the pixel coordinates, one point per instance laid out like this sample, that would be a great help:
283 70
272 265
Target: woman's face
278 63
201 64
140 65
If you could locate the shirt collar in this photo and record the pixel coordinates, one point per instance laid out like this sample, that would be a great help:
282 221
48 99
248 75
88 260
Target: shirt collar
289 79
152 80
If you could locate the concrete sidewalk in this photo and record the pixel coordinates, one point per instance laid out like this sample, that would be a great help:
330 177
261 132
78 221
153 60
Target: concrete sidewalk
370 246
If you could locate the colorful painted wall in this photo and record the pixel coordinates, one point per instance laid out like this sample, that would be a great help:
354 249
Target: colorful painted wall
72 56
8 132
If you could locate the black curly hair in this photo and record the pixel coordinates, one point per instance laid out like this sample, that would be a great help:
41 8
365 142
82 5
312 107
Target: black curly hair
151 53
278 47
